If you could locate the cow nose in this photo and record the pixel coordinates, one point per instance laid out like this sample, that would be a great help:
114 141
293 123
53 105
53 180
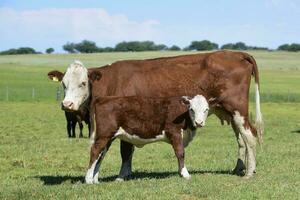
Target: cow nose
200 124
67 104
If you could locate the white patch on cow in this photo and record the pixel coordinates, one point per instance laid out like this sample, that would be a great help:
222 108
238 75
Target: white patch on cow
250 142
138 141
93 130
257 102
184 173
198 110
187 136
92 175
89 177
76 86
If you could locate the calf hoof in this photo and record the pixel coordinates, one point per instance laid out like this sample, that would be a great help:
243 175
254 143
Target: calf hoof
185 174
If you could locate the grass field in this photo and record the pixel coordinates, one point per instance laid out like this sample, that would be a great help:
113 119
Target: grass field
38 161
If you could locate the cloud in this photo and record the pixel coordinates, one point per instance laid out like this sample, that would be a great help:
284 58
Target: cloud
41 28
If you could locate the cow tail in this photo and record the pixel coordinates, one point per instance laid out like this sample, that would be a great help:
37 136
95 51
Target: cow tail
259 119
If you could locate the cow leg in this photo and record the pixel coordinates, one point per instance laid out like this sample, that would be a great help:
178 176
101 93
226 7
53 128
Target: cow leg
89 127
244 126
73 129
98 151
177 144
69 127
80 128
240 164
127 150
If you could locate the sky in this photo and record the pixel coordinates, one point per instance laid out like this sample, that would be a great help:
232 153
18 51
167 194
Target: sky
52 23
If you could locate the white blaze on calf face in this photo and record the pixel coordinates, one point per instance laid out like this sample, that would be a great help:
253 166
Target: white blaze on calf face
76 86
198 109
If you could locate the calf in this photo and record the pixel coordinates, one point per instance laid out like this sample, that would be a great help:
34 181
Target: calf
141 120
74 117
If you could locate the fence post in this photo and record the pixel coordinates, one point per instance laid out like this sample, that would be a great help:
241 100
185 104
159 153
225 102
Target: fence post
33 94
58 94
6 93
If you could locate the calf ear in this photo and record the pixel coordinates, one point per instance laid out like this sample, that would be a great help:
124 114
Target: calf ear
94 76
55 75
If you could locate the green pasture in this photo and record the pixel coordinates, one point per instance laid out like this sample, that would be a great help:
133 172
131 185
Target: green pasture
38 161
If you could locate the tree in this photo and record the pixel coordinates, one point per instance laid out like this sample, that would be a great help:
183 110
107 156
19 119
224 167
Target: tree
49 50
160 47
240 46
204 45
69 47
139 46
21 50
284 47
174 48
289 47
228 46
86 46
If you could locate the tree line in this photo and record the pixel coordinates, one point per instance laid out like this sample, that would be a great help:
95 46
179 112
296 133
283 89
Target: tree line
87 46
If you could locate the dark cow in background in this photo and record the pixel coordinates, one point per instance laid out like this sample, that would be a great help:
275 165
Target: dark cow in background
143 120
77 117
223 77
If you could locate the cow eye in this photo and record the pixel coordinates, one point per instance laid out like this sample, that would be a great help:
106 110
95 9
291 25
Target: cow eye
206 110
82 84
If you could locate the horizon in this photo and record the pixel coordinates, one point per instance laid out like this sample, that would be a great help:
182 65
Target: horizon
41 25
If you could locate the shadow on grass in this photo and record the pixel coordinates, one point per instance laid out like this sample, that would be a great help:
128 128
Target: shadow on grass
57 180
296 131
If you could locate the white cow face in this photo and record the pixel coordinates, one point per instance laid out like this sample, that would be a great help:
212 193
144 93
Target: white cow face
76 86
198 109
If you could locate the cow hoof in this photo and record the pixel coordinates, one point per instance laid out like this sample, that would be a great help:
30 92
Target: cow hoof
247 177
187 177
238 172
89 180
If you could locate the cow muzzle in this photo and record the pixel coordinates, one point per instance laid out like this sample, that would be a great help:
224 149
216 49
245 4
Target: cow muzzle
67 105
200 124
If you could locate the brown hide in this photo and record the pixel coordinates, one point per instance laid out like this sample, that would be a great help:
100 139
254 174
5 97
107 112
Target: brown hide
223 75
142 116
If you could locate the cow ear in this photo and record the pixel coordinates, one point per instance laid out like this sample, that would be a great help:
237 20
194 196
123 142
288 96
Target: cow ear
95 76
213 101
185 100
55 75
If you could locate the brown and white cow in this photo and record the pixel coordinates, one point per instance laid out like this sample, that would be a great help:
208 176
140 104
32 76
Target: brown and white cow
143 120
223 76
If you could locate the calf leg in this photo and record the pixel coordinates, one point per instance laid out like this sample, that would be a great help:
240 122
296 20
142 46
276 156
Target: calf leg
127 150
240 164
177 144
245 128
98 151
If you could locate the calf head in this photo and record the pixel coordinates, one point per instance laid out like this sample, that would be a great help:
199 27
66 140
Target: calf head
198 108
